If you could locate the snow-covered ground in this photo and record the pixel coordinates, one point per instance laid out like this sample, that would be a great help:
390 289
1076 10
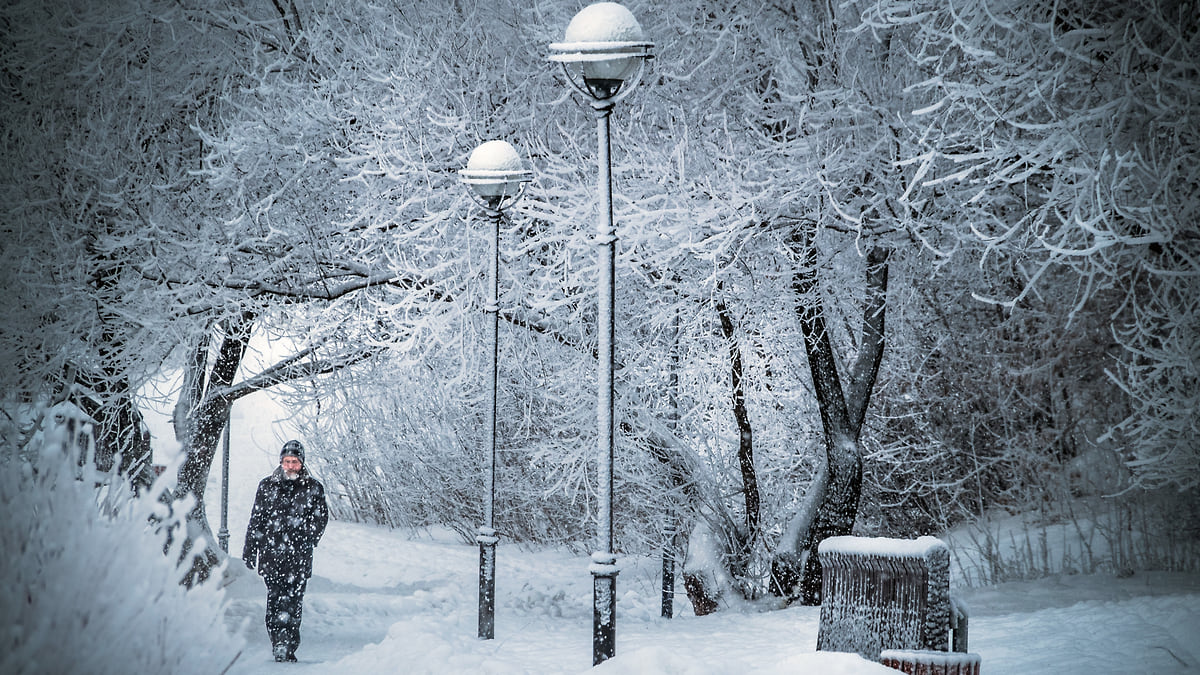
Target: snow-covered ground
382 603
387 601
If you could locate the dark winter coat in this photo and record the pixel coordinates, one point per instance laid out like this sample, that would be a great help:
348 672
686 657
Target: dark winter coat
287 521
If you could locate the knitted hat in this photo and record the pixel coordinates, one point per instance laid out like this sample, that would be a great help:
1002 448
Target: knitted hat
292 449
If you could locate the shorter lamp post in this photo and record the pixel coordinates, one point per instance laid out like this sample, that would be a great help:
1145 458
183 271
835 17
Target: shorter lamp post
497 180
603 55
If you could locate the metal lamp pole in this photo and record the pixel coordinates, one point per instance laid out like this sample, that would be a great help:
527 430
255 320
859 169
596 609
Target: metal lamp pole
223 533
497 181
603 56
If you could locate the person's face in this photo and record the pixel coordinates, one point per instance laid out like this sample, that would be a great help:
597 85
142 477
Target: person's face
291 465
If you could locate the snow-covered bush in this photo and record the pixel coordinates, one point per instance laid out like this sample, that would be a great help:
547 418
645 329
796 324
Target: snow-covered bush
84 584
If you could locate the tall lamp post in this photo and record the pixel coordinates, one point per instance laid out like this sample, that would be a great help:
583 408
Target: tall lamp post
223 533
603 55
496 180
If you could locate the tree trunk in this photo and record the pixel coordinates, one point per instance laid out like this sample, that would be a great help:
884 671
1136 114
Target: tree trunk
745 431
716 558
841 417
836 513
718 549
120 431
200 416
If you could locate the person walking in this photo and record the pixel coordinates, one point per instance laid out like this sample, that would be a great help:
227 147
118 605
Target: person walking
287 521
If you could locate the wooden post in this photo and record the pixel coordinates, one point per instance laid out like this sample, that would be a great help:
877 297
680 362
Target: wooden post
880 593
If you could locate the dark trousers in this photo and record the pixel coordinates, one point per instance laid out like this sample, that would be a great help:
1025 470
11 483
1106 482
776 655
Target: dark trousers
285 605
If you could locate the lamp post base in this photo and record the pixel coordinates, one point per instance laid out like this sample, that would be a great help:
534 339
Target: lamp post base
487 582
604 607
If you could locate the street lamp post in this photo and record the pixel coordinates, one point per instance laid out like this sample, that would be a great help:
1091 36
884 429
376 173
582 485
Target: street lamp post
497 180
223 533
603 55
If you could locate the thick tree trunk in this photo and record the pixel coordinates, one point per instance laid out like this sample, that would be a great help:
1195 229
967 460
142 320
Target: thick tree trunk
841 417
120 431
200 417
835 515
871 342
201 447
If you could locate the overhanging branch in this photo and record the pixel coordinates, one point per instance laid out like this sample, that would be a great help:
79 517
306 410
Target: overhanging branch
293 369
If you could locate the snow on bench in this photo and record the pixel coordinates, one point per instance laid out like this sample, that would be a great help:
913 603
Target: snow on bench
887 594
922 662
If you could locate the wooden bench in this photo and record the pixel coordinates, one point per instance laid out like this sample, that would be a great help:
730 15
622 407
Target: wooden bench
922 662
887 594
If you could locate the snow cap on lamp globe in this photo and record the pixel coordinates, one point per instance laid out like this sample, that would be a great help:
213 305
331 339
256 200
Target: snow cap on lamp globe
494 156
605 22
494 169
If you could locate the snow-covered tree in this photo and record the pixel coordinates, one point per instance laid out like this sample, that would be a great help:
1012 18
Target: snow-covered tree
1064 134
788 177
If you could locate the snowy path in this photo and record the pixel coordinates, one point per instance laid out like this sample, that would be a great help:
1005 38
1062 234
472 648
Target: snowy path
382 603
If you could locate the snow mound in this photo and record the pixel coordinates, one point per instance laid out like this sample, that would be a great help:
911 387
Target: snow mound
85 586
